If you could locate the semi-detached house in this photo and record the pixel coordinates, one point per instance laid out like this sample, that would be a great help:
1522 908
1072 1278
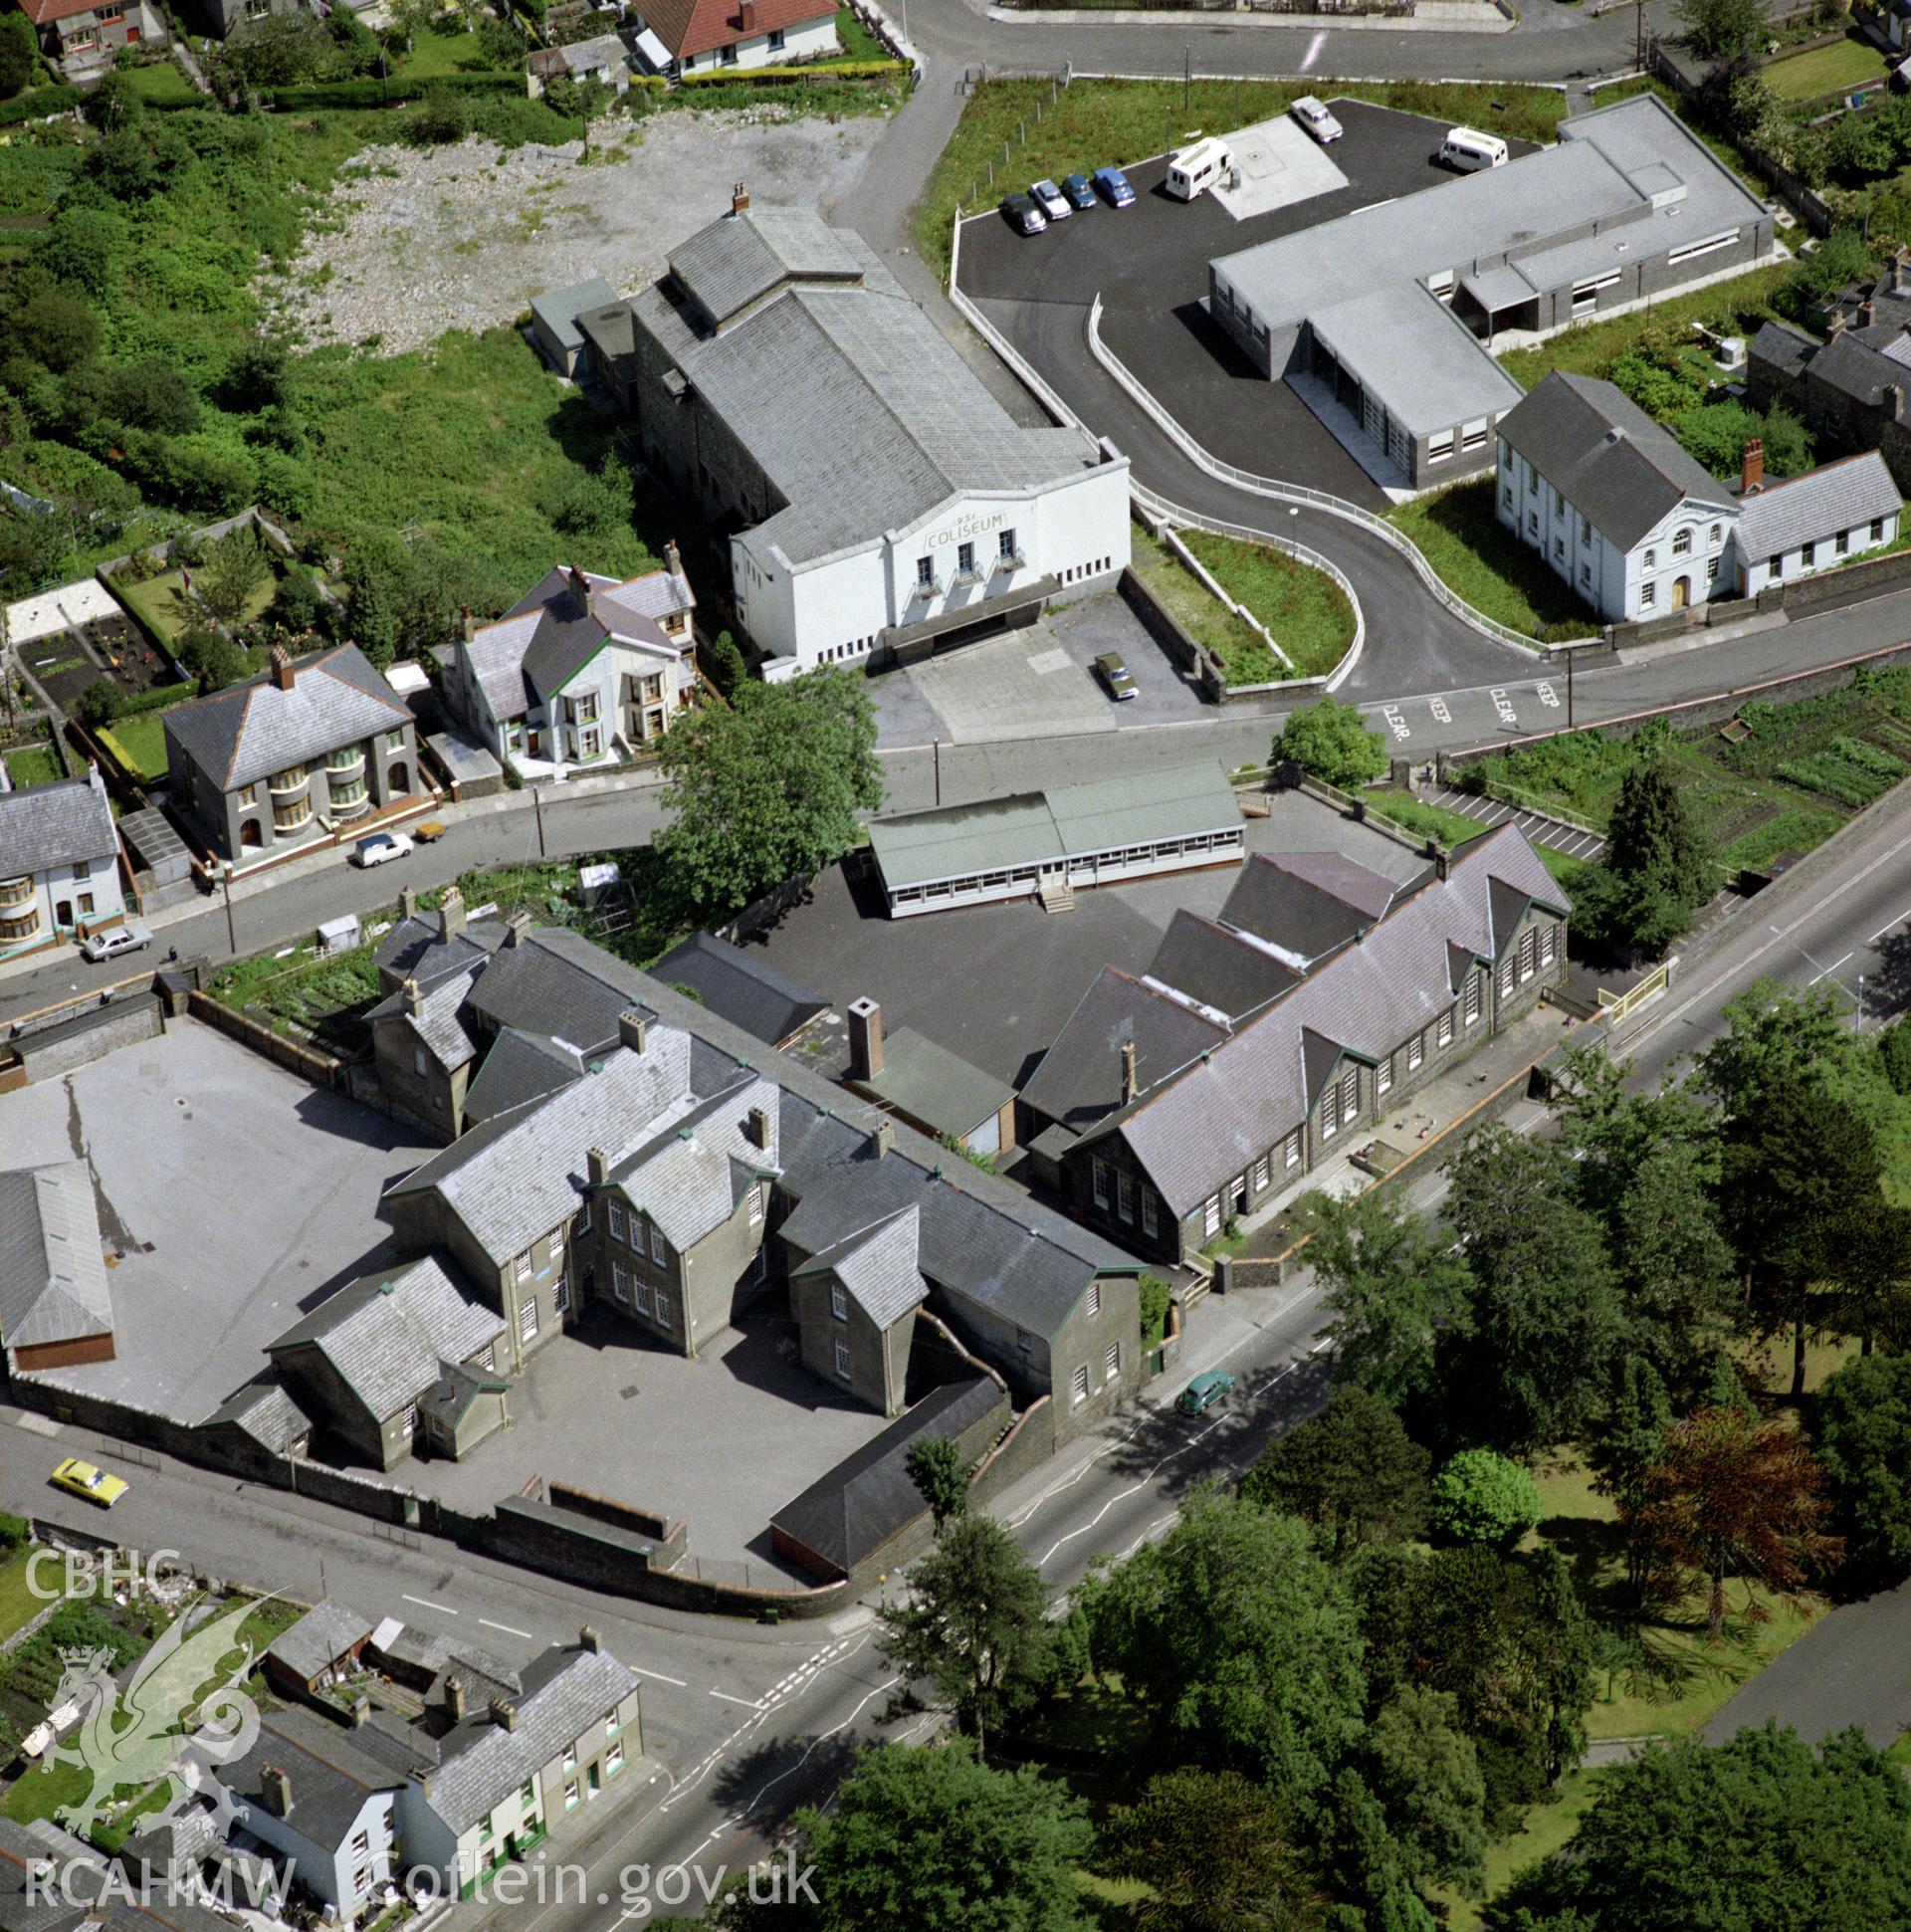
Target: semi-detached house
59 863
1229 1112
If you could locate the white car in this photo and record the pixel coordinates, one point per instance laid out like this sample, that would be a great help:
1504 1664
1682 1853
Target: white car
1050 200
116 940
1313 116
380 848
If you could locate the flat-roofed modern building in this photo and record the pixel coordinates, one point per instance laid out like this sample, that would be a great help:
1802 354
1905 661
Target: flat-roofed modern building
880 501
1383 319
1052 842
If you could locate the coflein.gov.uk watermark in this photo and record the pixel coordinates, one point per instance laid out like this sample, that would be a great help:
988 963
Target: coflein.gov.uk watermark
639 1889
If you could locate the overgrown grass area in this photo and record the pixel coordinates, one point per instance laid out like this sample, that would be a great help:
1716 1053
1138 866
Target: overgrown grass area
1416 816
160 81
1805 768
859 44
17 1604
309 995
1846 63
1736 308
1475 555
1196 610
141 742
1305 610
32 764
1095 122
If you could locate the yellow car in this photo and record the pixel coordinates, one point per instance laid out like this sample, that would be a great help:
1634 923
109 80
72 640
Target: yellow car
92 1485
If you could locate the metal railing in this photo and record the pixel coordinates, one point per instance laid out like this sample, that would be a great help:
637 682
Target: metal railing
1299 493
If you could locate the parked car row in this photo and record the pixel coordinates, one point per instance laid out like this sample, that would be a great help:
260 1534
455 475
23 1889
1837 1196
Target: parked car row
1047 201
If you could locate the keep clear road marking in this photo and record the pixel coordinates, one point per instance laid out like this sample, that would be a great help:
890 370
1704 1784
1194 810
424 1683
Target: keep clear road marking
509 1630
1441 716
1398 724
1548 695
427 1604
1503 704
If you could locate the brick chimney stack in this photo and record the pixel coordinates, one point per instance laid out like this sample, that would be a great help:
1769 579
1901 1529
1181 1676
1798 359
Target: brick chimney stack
453 1699
865 1038
597 1166
1894 401
1867 313
633 1029
1901 271
505 1712
1751 473
739 200
274 1791
414 996
590 1638
1834 329
282 671
1131 1084
883 1137
673 559
452 913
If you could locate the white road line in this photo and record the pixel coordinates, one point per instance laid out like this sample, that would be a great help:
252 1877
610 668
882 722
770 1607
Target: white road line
748 1703
659 1676
1313 52
509 1630
1822 970
427 1604
1887 926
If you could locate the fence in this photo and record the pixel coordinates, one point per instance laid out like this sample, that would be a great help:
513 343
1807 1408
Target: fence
1295 492
1616 1010
983 188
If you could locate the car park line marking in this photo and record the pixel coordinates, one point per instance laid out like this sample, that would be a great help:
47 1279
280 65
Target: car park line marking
509 1630
427 1604
659 1676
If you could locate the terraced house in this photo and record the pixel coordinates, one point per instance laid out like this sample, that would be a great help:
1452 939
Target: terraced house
312 745
1169 1114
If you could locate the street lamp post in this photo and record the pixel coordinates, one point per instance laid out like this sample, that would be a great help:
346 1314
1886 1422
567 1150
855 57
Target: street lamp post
225 879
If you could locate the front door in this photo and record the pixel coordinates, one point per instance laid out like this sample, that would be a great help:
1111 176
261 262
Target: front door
1682 593
63 912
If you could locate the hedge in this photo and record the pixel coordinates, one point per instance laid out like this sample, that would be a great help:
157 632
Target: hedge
39 102
783 76
376 94
158 699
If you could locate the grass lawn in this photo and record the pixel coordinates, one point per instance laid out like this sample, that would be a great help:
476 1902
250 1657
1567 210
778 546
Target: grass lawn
162 80
1197 613
17 1604
1846 63
153 604
1095 122
440 50
1460 536
1305 610
1416 816
33 765
1736 308
859 44
141 742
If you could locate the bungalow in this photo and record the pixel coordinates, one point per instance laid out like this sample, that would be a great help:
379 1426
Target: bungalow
677 37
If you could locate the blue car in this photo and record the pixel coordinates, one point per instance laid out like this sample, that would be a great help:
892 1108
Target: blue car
1080 194
1112 184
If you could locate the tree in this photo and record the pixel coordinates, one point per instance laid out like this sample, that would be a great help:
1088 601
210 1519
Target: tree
1352 1471
1529 1363
974 1628
929 1838
724 664
772 788
295 606
1760 1830
937 1468
1236 1636
257 377
1155 1300
16 53
1332 741
1623 1447
1657 870
1732 1496
1392 1280
1721 30
211 656
55 329
1774 1035
1894 1053
82 246
1211 1849
235 570
1425 1772
1863 1432
1840 259
1482 1497
100 703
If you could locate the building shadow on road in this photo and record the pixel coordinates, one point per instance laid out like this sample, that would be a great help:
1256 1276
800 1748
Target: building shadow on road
1183 1452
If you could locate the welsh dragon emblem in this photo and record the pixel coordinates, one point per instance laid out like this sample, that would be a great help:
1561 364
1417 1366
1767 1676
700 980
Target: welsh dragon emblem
184 1711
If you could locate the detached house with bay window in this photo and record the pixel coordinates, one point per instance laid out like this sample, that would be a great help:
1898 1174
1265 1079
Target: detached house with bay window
312 745
59 863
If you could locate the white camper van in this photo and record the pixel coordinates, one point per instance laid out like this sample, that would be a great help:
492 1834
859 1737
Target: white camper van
1467 150
1197 167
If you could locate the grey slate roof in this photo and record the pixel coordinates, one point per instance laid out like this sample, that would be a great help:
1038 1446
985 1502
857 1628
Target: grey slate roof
1622 472
386 1334
52 825
457 1388
520 1067
558 308
327 1632
1810 508
515 1177
253 729
1217 968
744 989
848 397
1306 904
266 1412
934 1087
437 1025
1080 1076
565 1692
416 948
1224 1112
877 1267
332 1776
685 1177
555 983
861 1503
53 1277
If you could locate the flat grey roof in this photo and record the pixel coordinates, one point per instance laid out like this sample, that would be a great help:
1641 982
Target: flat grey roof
935 1086
916 848
1410 348
558 308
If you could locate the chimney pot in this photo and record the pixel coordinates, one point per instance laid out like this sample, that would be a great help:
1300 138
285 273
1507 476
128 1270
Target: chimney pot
1752 474
283 674
274 1791
516 928
673 559
414 996
590 1638
739 200
454 1697
865 1038
1131 1084
452 914
633 1029
505 1712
